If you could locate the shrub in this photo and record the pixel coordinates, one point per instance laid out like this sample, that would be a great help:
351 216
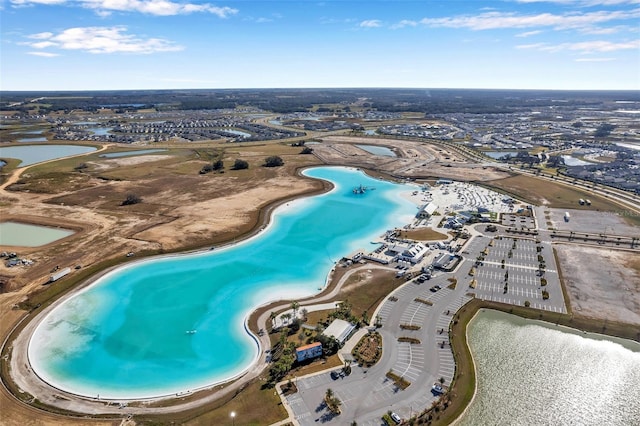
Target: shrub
273 161
131 199
240 165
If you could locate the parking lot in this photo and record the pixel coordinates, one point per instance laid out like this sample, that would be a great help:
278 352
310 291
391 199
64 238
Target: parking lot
507 270
519 222
367 393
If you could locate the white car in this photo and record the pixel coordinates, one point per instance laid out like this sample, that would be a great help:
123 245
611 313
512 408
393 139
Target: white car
396 418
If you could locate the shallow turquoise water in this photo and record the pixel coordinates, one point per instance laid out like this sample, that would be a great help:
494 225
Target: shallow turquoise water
126 336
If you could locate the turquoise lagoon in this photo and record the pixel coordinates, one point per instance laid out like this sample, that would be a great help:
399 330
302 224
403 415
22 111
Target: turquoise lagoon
126 335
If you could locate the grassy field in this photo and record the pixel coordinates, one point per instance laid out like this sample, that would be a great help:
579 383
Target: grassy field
422 234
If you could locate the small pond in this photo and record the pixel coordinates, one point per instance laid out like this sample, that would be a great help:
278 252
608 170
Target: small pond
28 132
32 154
378 150
238 132
499 154
100 131
131 153
25 235
31 140
572 161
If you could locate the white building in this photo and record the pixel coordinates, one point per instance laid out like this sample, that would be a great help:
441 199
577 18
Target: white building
339 330
413 253
426 211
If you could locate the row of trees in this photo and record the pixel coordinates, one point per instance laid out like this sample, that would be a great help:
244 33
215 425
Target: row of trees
239 164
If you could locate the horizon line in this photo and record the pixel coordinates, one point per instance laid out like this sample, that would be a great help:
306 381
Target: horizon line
321 88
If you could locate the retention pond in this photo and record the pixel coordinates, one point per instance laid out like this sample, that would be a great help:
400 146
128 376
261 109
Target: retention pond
536 373
26 235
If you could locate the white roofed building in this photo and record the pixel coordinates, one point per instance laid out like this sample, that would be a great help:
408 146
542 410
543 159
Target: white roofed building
426 211
339 330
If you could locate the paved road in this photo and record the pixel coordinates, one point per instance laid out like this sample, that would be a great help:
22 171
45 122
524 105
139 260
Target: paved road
367 393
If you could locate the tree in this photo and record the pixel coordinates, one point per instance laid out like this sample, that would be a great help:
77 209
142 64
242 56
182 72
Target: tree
294 307
272 317
306 150
329 393
240 165
131 199
217 165
273 161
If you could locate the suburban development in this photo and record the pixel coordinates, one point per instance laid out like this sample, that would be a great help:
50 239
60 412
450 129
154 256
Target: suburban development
530 208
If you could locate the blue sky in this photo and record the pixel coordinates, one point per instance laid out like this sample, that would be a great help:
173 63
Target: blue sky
176 44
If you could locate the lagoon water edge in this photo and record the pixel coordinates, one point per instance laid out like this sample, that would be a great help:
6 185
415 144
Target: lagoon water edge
533 373
172 324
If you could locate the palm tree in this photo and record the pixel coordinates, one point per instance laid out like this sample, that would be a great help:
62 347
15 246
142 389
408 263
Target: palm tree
272 317
304 313
285 317
328 394
294 307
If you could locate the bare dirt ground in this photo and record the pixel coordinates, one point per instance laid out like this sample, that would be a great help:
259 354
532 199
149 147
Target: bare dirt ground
602 283
414 159
595 222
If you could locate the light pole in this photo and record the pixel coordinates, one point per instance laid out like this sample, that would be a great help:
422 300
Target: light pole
233 417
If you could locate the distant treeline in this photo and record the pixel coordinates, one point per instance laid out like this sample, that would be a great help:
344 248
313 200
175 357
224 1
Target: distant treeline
428 101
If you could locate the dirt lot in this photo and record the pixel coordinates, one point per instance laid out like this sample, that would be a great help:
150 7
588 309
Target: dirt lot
593 222
602 283
414 159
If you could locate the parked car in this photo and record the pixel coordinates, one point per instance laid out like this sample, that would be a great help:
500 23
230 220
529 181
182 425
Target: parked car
396 418
435 288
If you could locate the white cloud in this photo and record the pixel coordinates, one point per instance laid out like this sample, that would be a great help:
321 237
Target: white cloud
41 36
605 30
43 54
584 2
30 2
42 44
528 33
370 23
595 59
501 20
404 23
101 40
149 7
584 47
